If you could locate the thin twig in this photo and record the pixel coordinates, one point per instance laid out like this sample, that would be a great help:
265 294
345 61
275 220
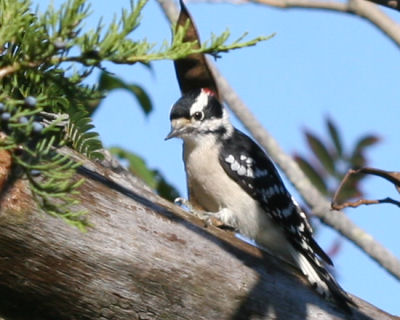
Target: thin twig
334 204
393 177
357 203
5 71
317 202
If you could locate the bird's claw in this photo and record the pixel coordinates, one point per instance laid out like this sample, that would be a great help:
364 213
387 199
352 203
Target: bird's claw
208 218
180 201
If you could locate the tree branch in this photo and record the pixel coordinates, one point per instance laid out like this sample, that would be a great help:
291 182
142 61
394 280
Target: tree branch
393 177
318 203
355 204
142 258
361 8
5 71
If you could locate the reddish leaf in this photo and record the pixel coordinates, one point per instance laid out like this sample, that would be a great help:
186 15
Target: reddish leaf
312 174
357 160
321 152
334 134
366 141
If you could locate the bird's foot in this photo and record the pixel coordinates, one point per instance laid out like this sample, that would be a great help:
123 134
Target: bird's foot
209 218
180 201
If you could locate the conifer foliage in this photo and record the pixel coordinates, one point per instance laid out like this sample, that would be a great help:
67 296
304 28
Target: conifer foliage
45 60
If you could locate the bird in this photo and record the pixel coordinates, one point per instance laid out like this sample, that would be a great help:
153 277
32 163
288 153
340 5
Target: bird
231 179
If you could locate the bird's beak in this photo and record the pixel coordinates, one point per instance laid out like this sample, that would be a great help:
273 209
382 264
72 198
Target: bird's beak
172 134
177 128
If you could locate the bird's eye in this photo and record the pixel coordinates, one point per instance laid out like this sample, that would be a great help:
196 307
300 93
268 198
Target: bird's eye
198 115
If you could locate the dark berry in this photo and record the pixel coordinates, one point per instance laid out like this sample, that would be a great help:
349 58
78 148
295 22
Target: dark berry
37 127
6 116
23 120
30 101
35 173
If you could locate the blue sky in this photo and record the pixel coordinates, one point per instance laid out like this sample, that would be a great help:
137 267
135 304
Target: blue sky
318 64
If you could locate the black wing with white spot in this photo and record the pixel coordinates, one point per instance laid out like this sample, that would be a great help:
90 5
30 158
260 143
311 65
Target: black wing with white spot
246 163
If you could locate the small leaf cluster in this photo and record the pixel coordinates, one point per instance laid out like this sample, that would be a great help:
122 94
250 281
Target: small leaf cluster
329 162
217 44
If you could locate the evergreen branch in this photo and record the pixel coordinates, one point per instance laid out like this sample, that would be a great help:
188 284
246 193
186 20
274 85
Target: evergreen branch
63 35
83 141
178 50
44 60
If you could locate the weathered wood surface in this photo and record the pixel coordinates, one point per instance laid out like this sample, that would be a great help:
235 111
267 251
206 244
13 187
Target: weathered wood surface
143 258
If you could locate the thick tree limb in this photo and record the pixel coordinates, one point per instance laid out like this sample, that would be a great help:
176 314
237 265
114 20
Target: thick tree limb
318 203
143 258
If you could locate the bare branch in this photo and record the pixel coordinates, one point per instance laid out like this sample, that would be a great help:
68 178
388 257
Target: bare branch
393 177
361 8
377 17
357 203
318 203
308 4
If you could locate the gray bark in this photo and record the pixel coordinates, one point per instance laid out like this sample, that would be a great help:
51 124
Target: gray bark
142 258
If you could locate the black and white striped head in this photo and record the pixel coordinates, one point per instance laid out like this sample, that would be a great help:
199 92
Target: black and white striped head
198 113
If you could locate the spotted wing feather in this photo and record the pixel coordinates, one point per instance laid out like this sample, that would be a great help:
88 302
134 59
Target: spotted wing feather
246 163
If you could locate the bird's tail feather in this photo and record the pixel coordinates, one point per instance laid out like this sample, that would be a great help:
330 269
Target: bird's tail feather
322 281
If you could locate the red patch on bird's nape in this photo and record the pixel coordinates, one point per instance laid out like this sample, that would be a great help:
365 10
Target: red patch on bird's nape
208 91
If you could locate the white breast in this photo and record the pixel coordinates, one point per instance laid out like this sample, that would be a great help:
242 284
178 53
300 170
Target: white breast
214 190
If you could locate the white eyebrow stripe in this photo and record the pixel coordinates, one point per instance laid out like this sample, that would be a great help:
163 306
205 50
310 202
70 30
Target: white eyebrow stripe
200 103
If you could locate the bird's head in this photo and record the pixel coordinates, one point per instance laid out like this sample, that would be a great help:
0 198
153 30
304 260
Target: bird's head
198 113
